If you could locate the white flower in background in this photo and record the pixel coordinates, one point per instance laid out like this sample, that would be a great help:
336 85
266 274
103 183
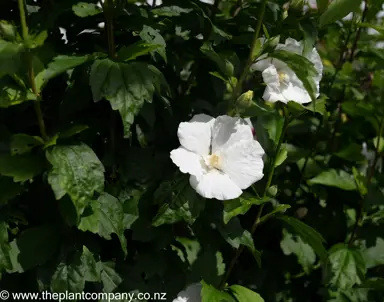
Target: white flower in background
191 294
220 155
370 157
282 83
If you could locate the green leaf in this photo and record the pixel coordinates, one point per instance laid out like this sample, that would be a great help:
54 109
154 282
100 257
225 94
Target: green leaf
294 245
140 48
152 36
5 260
69 276
374 256
243 294
235 235
351 152
170 11
338 9
21 167
319 106
105 217
59 65
36 40
10 60
9 189
125 86
71 131
302 67
8 31
335 178
211 294
273 123
109 277
240 206
76 171
224 65
84 9
23 143
281 208
378 28
42 240
378 142
347 266
191 249
281 157
12 94
92 271
130 201
182 202
307 234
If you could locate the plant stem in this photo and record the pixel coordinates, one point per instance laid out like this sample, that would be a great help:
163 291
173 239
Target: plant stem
31 72
260 211
109 16
371 173
244 74
108 13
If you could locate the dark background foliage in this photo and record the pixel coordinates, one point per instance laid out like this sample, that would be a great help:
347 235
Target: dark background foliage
89 199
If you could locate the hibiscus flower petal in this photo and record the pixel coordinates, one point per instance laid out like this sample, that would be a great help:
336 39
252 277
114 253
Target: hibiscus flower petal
271 78
215 184
228 130
243 163
187 161
314 57
296 93
191 294
196 134
292 45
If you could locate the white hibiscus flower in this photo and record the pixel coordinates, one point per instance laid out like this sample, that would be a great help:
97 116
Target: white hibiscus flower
282 83
191 294
220 155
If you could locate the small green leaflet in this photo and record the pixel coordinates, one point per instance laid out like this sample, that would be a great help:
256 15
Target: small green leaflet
307 234
152 36
140 48
347 266
10 57
125 86
303 251
244 294
84 9
334 178
59 65
13 94
23 143
240 206
104 217
170 11
235 235
225 66
211 294
76 171
338 9
178 202
21 167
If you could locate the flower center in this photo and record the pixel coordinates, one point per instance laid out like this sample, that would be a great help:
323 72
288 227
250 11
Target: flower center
283 78
213 161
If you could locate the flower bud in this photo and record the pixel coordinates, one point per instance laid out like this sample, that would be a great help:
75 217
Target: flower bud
244 101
